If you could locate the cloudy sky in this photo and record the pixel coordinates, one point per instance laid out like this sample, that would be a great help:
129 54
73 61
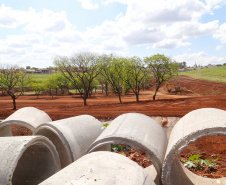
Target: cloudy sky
32 32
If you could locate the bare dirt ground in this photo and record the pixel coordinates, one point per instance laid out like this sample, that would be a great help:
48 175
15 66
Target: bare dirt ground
204 94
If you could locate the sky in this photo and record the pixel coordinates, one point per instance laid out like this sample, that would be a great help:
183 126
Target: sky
33 32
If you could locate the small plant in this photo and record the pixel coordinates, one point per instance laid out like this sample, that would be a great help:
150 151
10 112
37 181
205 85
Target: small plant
196 162
120 147
106 125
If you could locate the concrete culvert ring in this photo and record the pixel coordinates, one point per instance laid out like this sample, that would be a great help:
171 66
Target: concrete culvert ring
101 168
139 131
27 160
28 117
60 142
71 136
193 126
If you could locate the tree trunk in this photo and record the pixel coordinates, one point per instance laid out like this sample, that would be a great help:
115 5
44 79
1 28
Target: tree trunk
137 97
84 99
156 92
106 89
119 96
14 102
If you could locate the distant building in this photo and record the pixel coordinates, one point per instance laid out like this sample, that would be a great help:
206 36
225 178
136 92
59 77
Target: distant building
40 70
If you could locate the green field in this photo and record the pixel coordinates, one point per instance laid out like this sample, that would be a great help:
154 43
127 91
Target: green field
217 74
40 76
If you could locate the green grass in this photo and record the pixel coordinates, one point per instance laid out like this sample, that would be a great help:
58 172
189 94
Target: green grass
217 74
40 76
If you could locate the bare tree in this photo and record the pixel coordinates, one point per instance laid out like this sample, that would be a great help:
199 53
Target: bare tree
13 81
163 69
110 67
134 74
81 69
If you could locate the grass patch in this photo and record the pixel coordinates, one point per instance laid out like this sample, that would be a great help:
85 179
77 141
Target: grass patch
41 76
217 74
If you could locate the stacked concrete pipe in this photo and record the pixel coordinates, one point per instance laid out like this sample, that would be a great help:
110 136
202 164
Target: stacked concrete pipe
100 168
28 117
27 160
139 131
194 125
71 136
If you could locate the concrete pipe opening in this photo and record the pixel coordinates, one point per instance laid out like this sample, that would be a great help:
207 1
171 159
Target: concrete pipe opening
27 160
35 165
206 157
201 123
28 117
60 143
139 131
71 136
19 130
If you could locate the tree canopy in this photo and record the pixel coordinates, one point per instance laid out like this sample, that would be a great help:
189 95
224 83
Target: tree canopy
163 69
81 69
13 81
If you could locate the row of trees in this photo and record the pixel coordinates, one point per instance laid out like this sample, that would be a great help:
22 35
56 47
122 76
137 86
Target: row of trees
84 71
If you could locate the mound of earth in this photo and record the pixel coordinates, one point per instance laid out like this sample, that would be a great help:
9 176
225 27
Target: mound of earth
198 87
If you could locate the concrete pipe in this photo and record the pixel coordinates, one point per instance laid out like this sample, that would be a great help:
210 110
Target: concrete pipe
71 136
101 168
139 131
27 160
194 125
28 117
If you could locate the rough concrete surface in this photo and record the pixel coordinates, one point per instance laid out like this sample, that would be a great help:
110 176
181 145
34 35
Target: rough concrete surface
139 131
27 160
194 125
29 117
71 136
101 168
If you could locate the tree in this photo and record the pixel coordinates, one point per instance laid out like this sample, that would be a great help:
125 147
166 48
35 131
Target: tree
81 70
13 81
60 82
49 85
224 64
182 65
104 83
37 86
163 69
134 74
110 67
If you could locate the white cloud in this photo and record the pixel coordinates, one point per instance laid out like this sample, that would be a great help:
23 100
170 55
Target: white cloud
221 33
10 18
215 4
218 48
88 4
200 58
162 24
114 1
165 24
69 36
170 43
162 12
47 21
185 30
23 41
